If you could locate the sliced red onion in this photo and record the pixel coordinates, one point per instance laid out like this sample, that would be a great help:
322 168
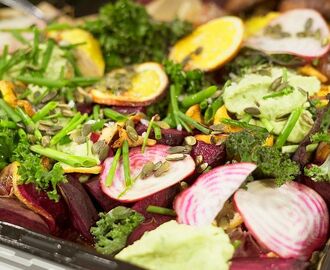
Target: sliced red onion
142 188
291 220
200 204
293 22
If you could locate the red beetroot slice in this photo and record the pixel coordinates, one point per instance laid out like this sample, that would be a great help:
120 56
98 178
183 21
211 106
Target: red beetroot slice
200 204
13 211
293 22
82 211
267 264
291 220
212 154
54 213
142 188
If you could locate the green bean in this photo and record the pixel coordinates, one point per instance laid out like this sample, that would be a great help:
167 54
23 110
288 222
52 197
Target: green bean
47 54
212 109
73 123
35 47
193 123
29 124
9 111
289 126
174 105
113 168
160 210
244 125
72 160
115 116
96 112
145 139
44 111
7 124
127 172
184 125
199 96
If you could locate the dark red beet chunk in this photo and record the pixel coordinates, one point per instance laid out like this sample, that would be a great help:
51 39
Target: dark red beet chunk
94 189
82 211
169 136
54 213
129 110
162 198
13 211
85 108
212 154
267 264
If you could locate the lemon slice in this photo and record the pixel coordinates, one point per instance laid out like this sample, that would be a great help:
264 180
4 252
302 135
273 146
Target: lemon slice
210 45
138 85
89 55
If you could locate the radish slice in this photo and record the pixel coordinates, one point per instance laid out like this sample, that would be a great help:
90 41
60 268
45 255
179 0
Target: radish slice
200 204
291 220
145 187
293 22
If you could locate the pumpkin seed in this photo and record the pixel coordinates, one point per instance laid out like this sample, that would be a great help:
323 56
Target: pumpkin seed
100 148
46 123
301 34
175 157
201 168
325 41
67 113
32 139
308 24
190 140
176 149
130 123
281 87
132 134
187 149
45 140
305 93
275 83
217 127
86 129
199 159
183 185
157 165
162 124
252 110
63 106
213 139
147 169
80 139
51 95
162 169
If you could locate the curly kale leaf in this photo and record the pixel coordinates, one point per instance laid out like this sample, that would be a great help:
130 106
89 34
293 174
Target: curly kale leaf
319 173
113 228
249 146
128 34
7 146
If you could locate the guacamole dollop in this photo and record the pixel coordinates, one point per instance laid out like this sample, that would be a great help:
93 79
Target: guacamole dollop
174 246
251 90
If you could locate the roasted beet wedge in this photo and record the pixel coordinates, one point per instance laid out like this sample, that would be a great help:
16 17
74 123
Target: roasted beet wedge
93 187
15 212
82 211
54 213
129 110
267 264
141 188
212 154
170 136
6 179
145 85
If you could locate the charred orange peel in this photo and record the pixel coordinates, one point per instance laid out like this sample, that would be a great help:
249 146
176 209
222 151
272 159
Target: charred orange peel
147 84
211 45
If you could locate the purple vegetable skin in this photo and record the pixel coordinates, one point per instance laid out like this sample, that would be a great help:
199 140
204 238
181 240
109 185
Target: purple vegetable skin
267 264
13 211
82 211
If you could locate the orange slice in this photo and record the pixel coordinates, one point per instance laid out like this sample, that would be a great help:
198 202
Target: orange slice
138 85
211 45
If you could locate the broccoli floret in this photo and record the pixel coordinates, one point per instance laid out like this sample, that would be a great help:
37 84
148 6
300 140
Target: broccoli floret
249 146
319 173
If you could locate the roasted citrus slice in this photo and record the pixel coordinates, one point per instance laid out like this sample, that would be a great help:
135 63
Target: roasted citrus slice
88 54
138 85
210 45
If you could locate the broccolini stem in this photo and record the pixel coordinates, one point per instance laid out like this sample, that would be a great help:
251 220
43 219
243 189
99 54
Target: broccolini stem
127 172
74 122
212 109
72 160
113 168
160 210
193 123
44 111
289 126
96 112
199 96
8 124
9 111
115 116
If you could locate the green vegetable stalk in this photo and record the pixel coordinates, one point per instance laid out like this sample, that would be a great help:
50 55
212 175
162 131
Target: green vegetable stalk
199 96
113 168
